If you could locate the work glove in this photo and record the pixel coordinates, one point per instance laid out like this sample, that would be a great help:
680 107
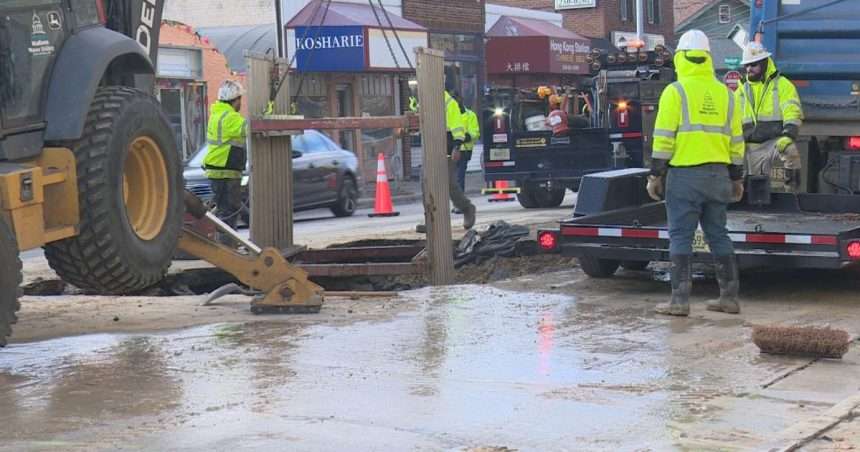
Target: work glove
468 138
737 190
782 143
655 187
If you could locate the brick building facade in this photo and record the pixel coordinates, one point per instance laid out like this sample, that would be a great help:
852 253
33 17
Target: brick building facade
219 13
457 27
609 17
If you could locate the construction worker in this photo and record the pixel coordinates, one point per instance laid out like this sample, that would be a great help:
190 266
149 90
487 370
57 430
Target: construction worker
456 137
772 116
473 134
557 118
225 159
698 156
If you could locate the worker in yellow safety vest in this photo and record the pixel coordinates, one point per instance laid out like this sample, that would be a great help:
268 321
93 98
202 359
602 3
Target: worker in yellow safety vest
473 134
226 157
772 116
456 128
698 156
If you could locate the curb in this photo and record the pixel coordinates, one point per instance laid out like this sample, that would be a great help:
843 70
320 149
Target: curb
802 433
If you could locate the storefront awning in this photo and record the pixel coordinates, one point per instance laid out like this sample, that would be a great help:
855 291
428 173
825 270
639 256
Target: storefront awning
353 38
531 46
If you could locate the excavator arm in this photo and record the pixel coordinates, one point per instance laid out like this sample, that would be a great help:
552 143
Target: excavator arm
285 288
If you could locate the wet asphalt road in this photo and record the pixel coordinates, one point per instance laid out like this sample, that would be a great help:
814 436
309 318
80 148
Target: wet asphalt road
442 369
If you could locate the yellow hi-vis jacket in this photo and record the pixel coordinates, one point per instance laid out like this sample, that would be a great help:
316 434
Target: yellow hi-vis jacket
768 105
454 119
470 120
697 122
225 136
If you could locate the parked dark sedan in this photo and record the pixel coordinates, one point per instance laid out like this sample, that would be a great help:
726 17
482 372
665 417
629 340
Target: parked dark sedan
324 175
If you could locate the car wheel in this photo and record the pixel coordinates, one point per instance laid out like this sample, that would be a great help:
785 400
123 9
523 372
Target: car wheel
347 198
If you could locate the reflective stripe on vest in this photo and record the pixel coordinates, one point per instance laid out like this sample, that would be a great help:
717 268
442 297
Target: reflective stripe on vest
220 139
687 125
748 98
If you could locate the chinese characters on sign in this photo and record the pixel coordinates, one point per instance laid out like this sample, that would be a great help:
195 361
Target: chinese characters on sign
519 67
574 4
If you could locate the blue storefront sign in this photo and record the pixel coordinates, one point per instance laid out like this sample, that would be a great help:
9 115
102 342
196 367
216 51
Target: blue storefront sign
330 49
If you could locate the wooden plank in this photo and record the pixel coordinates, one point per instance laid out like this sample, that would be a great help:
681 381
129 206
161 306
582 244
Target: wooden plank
431 80
409 121
271 163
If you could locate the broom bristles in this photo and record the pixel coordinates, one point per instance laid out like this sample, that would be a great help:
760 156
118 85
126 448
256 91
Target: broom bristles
801 340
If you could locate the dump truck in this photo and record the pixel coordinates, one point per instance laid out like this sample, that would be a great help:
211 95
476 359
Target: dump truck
89 168
811 222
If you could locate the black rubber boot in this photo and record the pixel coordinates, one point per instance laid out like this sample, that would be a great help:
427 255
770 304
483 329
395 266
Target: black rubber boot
682 284
729 281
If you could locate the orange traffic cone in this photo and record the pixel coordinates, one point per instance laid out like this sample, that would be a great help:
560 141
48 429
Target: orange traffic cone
383 206
503 192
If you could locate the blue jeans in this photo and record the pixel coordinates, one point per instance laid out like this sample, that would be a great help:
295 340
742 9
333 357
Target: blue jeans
695 195
462 164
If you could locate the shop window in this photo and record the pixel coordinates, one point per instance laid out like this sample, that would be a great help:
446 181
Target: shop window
653 11
725 14
180 63
628 10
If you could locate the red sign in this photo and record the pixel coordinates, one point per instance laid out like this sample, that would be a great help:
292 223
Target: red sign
732 79
536 54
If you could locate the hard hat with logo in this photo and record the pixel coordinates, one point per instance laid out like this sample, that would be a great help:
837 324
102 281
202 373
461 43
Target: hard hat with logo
694 40
754 52
230 90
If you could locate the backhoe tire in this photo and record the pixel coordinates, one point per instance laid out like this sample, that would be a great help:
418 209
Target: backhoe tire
130 194
598 268
10 281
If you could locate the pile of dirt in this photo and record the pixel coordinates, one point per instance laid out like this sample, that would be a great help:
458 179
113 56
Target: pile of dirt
501 268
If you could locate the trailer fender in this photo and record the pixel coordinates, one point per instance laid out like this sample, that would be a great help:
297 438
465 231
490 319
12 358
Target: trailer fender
81 66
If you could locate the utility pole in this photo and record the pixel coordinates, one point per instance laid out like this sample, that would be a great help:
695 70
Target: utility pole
640 24
279 23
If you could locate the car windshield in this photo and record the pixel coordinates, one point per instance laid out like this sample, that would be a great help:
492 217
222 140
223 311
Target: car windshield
197 159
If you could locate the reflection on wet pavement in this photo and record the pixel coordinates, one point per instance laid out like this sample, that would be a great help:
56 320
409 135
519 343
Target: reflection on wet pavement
462 366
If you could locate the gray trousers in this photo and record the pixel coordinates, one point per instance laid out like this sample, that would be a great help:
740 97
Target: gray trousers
695 195
228 199
457 196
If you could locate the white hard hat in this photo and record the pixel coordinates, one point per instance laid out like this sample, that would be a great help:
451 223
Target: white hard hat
694 40
230 90
754 52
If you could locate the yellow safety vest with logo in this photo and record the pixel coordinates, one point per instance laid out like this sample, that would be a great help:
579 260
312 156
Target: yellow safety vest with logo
470 120
225 136
696 121
454 119
769 104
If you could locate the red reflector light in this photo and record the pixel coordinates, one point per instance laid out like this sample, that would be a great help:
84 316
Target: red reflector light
548 240
854 250
100 8
854 143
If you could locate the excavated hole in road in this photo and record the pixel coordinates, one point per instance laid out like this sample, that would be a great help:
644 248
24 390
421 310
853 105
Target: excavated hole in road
205 280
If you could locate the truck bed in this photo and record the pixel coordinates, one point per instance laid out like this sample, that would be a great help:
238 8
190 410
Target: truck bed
807 231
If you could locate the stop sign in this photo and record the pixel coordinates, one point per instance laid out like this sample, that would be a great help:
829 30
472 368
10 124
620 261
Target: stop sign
732 79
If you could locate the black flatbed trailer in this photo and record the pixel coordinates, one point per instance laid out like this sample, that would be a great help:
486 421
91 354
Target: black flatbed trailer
819 231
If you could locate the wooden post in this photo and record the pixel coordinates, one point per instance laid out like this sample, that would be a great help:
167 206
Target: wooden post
431 82
271 161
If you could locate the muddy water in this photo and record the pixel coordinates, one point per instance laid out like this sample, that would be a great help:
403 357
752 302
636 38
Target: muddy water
458 367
